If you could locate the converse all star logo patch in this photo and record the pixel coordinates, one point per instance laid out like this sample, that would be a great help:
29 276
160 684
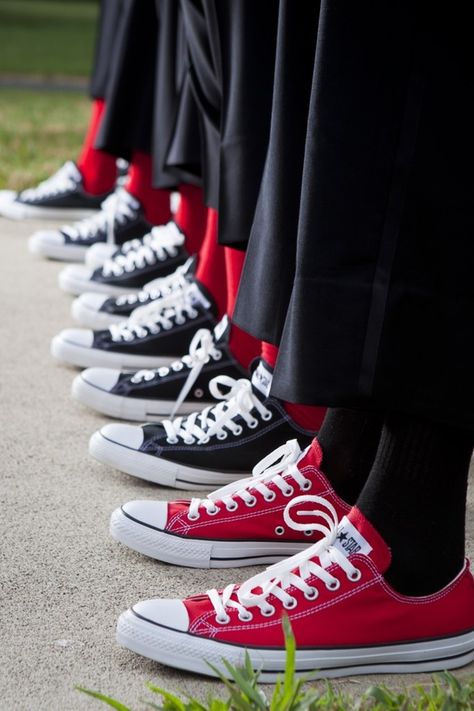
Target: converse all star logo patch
197 297
349 540
262 379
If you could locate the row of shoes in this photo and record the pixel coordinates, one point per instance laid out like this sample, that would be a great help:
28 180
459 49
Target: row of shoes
211 424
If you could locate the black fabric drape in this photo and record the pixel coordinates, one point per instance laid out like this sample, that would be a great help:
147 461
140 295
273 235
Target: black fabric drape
381 302
109 20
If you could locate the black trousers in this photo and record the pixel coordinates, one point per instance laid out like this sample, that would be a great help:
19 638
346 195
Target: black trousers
378 310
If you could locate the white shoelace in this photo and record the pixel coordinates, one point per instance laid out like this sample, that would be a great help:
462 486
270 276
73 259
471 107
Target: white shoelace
163 244
292 572
176 308
218 420
60 182
116 209
161 288
273 469
201 350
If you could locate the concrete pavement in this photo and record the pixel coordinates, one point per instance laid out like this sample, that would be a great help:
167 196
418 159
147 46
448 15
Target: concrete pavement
63 581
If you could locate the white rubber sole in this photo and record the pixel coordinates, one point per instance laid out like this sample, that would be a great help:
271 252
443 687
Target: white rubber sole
128 408
91 318
75 285
155 469
192 653
17 211
61 252
84 357
194 552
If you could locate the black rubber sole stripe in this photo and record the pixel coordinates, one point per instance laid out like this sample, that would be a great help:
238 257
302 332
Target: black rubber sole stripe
184 537
322 649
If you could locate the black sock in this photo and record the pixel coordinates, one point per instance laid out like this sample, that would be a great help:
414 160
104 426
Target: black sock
349 440
415 497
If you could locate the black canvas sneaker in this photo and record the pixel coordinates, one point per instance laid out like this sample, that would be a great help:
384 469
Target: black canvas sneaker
99 311
155 335
121 218
213 447
150 395
158 257
60 196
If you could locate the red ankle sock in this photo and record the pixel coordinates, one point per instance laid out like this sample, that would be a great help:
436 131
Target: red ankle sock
310 417
243 346
98 168
211 264
191 216
155 201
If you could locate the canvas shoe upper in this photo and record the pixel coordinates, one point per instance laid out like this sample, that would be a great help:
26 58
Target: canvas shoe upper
345 617
155 335
240 524
215 446
120 218
99 311
61 195
154 258
177 389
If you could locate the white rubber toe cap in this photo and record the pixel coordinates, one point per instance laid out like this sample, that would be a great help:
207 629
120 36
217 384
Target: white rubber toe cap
129 436
149 513
76 271
82 337
44 239
170 613
91 301
102 378
98 253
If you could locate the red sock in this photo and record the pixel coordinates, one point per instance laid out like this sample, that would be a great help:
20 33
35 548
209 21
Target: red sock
155 201
191 216
211 264
310 417
243 346
98 168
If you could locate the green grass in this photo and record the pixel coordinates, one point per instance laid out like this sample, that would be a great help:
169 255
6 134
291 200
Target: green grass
39 130
47 38
243 693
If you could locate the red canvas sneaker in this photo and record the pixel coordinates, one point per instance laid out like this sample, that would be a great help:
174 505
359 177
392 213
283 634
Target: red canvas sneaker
346 619
240 524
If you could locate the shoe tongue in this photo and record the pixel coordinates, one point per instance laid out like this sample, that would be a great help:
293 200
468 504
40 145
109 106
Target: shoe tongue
355 534
197 296
222 331
312 455
261 379
71 169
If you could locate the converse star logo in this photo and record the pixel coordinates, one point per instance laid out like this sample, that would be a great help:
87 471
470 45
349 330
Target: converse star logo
262 379
349 540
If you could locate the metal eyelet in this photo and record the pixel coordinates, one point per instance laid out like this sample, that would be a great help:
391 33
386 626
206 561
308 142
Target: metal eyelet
268 611
246 618
290 604
217 355
193 517
222 620
311 594
355 576
334 585
172 440
238 431
204 440
233 506
307 484
188 440
198 392
252 424
288 491
221 435
214 511
308 533
267 416
251 502
279 530
271 496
